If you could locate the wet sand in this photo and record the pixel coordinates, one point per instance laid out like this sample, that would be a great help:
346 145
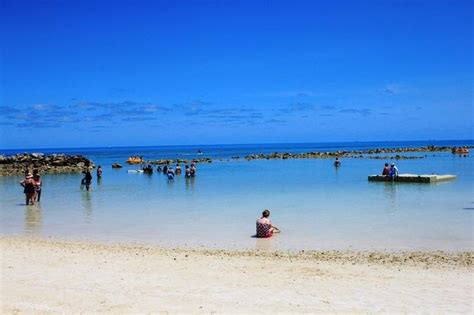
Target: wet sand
43 275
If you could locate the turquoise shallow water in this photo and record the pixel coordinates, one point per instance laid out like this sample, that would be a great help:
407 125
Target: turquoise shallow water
316 205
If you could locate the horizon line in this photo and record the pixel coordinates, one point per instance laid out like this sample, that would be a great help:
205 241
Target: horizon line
231 144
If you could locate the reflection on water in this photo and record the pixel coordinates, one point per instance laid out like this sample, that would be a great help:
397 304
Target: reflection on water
170 184
391 192
86 197
190 184
33 219
264 244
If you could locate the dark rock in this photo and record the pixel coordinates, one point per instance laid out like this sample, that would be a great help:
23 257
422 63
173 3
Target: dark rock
54 163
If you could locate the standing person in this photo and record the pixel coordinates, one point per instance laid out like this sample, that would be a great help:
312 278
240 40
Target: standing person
265 228
393 172
87 180
29 188
386 170
170 173
178 169
99 171
187 171
193 169
337 163
38 185
165 168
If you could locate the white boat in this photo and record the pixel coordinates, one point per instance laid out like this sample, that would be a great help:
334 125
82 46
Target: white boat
135 171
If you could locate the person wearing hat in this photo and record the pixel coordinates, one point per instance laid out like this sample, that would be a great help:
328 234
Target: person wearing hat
393 170
29 188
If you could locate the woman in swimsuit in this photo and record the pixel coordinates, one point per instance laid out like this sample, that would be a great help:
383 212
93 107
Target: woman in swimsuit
29 189
38 185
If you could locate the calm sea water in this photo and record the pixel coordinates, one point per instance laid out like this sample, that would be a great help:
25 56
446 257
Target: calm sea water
316 205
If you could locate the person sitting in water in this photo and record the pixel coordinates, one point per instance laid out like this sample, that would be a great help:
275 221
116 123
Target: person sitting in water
264 226
393 172
337 163
187 171
386 170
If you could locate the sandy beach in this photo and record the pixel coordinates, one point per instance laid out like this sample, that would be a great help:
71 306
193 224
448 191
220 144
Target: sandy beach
39 275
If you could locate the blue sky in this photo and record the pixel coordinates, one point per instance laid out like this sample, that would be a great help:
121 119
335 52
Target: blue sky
99 73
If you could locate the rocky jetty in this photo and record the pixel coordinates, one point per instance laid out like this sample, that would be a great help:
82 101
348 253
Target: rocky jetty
389 157
350 154
53 163
181 161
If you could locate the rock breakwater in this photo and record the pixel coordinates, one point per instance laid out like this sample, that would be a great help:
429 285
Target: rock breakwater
350 154
181 161
53 163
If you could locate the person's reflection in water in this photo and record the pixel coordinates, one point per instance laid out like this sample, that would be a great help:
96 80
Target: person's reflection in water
170 184
391 192
190 183
264 244
87 204
33 219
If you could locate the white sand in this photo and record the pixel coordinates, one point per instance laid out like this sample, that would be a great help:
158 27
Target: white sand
52 276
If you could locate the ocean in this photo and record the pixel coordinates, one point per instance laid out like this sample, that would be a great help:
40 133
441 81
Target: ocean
317 206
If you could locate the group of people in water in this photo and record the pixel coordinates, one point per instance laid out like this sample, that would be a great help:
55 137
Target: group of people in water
167 169
32 185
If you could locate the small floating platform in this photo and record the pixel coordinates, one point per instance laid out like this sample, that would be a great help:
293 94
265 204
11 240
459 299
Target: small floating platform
412 178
